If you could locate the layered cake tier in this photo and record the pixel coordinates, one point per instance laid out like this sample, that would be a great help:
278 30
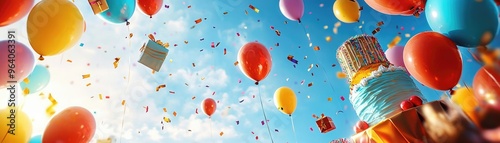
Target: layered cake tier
360 53
378 96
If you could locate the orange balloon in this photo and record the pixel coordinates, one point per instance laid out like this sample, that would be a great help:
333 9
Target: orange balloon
487 87
150 7
72 125
397 7
434 60
14 10
255 61
209 106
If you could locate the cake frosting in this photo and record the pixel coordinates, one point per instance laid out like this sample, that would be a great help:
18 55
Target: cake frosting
378 96
358 53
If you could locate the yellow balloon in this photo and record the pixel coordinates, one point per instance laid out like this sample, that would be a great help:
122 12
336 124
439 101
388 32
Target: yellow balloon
54 26
16 125
347 11
285 100
464 97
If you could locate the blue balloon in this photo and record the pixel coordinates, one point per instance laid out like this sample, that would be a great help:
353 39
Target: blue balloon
36 139
463 21
38 79
119 11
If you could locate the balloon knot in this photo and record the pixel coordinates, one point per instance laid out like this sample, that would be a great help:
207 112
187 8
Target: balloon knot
41 58
128 23
150 16
299 20
452 92
257 83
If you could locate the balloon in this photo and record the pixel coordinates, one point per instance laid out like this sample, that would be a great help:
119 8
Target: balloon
23 59
22 125
464 21
72 125
347 10
405 105
255 61
54 31
150 7
292 9
395 56
397 7
209 106
119 11
37 80
36 139
362 125
433 60
497 2
487 87
285 100
13 11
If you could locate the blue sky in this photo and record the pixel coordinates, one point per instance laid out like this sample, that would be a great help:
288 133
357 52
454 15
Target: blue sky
217 71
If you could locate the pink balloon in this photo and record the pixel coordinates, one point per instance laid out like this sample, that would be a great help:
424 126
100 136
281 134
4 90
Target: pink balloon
292 9
395 56
23 63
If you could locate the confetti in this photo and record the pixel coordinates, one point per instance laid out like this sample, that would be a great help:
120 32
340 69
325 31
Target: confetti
291 59
175 114
254 8
88 84
341 75
407 35
123 102
85 76
236 63
100 96
225 51
50 110
117 60
147 108
196 111
329 99
165 110
221 133
189 6
197 21
167 120
26 80
246 12
131 35
342 98
26 91
277 32
193 65
160 87
394 41
171 92
237 122
316 48
69 61
225 13
310 84
262 122
328 38
194 97
81 44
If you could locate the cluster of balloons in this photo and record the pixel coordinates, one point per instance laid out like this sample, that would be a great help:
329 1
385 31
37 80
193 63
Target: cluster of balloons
73 124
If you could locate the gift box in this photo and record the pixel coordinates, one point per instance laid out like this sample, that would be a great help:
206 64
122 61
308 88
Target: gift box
98 6
325 124
361 137
443 122
153 55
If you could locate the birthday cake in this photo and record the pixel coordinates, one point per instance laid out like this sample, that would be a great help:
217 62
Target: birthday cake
377 87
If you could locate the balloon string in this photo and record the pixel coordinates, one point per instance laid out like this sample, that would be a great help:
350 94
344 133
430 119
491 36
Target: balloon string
123 121
293 129
211 130
265 117
307 34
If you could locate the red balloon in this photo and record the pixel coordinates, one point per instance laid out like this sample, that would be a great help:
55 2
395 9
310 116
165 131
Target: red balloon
255 61
209 106
13 10
397 7
405 105
487 87
417 101
150 7
497 2
433 60
72 125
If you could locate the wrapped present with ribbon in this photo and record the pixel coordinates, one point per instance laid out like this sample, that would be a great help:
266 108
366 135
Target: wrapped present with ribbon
325 124
153 55
98 6
405 127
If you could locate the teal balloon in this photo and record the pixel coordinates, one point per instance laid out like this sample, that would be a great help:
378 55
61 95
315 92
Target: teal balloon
463 21
36 139
38 79
119 11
